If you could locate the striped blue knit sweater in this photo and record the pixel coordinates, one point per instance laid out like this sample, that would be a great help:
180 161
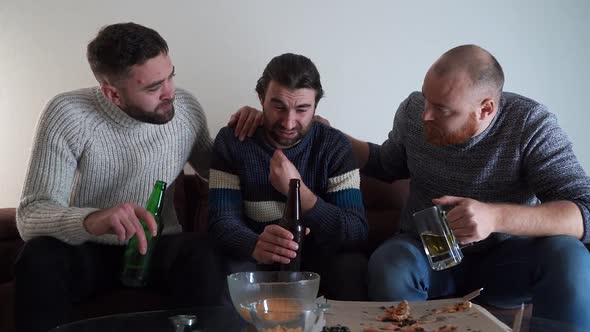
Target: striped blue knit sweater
242 200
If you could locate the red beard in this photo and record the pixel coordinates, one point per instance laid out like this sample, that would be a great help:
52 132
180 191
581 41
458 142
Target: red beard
436 136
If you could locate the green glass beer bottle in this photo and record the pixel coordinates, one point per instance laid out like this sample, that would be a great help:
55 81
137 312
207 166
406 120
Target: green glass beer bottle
136 266
293 222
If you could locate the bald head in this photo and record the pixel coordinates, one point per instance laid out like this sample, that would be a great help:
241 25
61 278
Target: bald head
475 63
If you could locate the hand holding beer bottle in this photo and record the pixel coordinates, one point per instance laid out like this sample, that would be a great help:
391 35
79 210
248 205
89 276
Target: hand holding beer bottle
136 264
293 222
277 243
122 220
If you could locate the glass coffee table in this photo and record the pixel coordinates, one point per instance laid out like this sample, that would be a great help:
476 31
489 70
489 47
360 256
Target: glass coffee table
536 324
207 319
359 316
227 319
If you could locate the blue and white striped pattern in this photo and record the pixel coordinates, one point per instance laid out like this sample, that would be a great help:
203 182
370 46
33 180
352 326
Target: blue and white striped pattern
242 200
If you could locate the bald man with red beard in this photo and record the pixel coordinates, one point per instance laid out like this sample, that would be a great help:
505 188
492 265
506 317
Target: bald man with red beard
517 191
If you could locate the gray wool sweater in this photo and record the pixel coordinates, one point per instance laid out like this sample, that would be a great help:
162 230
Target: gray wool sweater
88 155
523 157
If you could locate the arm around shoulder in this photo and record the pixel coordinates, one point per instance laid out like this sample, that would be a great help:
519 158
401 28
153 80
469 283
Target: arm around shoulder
200 155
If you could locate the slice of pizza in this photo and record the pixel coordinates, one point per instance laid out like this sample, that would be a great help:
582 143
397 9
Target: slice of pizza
396 313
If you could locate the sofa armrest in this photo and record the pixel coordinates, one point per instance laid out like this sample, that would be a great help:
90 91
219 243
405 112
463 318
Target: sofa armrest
8 224
10 243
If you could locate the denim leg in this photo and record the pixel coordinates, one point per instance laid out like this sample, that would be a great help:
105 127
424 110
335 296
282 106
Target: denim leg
564 271
551 272
399 270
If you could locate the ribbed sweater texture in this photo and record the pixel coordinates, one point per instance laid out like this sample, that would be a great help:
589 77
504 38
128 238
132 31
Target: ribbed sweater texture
523 157
88 155
242 201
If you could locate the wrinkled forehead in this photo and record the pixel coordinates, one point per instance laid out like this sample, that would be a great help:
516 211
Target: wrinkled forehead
448 88
292 97
154 69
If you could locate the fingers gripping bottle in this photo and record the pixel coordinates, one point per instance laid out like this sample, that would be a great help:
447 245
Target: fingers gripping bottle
293 222
136 266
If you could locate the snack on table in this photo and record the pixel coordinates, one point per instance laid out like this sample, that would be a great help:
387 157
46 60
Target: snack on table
397 313
456 307
337 328
371 329
401 321
446 328
396 329
279 328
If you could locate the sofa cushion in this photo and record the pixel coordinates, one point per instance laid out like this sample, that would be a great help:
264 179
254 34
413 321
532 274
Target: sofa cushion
8 224
10 243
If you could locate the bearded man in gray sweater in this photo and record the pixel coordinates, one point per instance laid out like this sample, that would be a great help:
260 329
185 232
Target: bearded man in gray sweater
96 155
518 193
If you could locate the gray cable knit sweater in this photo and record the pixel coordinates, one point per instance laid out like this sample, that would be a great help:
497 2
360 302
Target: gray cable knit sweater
523 157
89 155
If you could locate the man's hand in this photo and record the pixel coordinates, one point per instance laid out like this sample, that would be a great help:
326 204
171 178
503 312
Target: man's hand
323 120
282 171
123 221
275 244
246 120
469 219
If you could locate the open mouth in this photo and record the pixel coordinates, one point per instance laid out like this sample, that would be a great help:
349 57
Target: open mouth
286 133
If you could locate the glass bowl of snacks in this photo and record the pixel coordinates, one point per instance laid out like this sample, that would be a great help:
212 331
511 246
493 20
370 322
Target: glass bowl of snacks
247 288
286 315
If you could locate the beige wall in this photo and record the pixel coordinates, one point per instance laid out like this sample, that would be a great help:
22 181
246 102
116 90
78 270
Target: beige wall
371 55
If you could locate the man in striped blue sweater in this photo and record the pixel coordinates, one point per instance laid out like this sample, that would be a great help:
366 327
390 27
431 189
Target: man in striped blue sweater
249 181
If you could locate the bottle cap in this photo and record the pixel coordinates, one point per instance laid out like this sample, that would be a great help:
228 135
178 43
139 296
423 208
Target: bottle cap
183 320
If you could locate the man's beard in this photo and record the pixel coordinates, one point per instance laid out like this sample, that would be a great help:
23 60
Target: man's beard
436 136
163 113
283 141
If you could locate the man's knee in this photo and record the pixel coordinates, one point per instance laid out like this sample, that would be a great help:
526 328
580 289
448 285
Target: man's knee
564 257
563 251
395 270
397 257
41 254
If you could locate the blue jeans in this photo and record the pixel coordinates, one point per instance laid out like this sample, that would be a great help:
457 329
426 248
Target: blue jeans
550 272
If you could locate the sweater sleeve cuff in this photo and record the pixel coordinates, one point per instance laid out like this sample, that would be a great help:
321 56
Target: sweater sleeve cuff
320 211
73 231
63 224
249 243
